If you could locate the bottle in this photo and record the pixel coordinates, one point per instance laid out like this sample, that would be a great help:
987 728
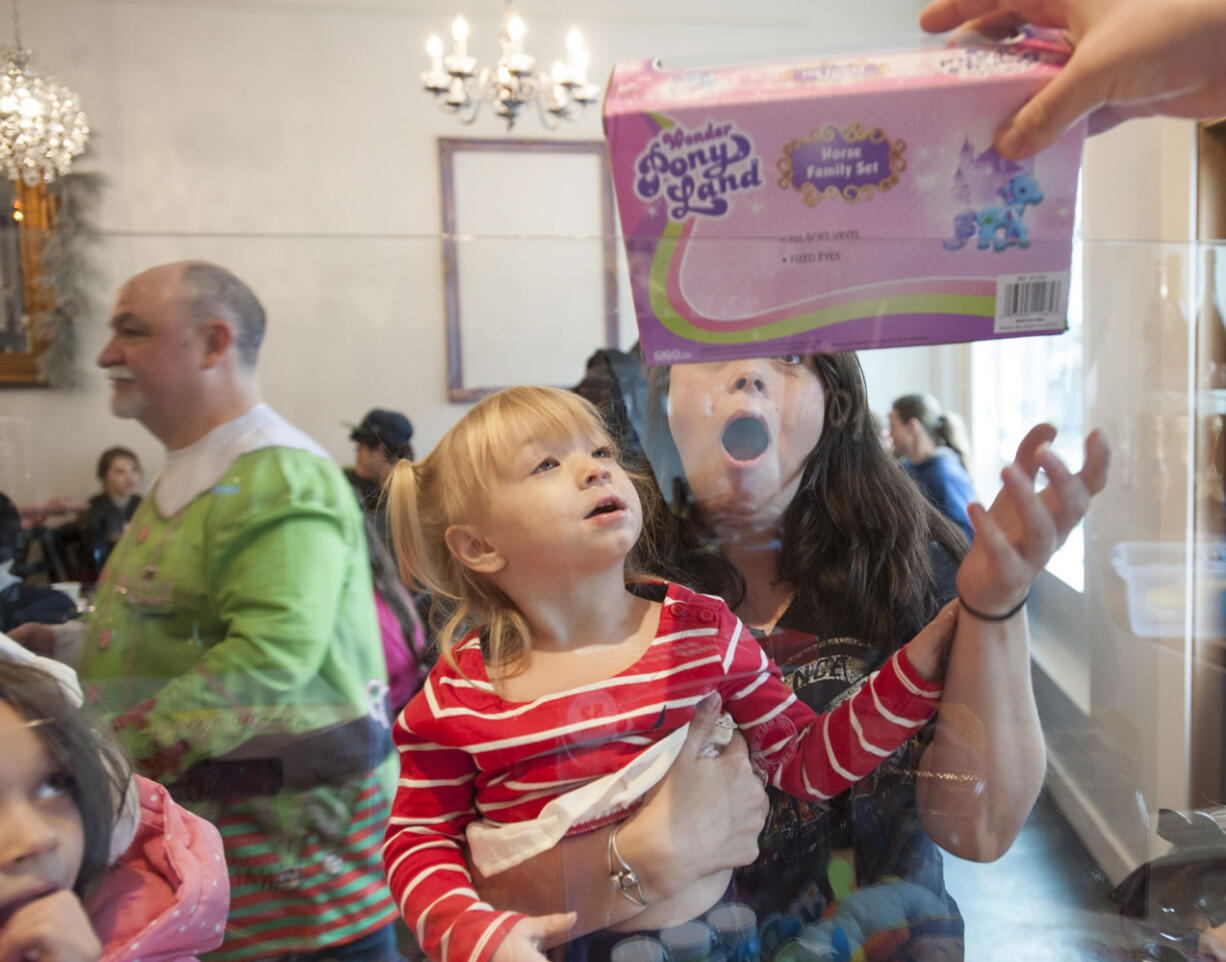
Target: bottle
639 948
1166 335
1161 410
1211 365
691 942
736 927
1210 485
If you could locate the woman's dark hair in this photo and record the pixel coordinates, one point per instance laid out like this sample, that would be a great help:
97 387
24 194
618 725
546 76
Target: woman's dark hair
109 456
856 537
98 771
946 429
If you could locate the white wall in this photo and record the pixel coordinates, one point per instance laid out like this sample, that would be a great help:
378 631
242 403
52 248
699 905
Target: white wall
290 141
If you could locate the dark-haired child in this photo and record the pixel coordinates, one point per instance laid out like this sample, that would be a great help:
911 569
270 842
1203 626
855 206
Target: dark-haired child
93 865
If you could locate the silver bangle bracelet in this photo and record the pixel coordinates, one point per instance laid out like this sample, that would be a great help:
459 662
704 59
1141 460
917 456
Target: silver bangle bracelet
622 878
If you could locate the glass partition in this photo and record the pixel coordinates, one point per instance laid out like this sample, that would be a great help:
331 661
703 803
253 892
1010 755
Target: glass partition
259 638
1125 625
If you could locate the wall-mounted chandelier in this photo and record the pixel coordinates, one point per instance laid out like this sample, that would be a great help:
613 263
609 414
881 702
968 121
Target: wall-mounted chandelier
42 126
513 81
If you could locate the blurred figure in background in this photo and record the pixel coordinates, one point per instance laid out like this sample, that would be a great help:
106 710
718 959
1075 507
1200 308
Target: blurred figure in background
21 602
882 427
934 451
381 439
108 513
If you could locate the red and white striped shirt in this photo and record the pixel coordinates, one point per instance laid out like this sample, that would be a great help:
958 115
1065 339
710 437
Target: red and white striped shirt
468 754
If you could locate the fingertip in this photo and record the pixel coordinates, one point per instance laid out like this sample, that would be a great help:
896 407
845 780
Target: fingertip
711 703
1011 142
1032 128
1097 460
930 20
1048 459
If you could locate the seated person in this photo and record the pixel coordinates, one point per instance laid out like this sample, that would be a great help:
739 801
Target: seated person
20 602
934 452
108 513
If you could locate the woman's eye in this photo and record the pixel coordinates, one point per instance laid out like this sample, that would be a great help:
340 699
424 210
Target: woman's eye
603 452
546 465
789 359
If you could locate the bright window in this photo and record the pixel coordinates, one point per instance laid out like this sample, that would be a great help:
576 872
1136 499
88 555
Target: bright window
1018 382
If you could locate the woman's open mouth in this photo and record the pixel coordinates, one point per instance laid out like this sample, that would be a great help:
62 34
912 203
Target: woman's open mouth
745 438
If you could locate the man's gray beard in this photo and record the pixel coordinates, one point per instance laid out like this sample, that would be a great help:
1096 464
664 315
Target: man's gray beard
131 406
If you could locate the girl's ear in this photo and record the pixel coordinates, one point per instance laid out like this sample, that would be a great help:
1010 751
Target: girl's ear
464 541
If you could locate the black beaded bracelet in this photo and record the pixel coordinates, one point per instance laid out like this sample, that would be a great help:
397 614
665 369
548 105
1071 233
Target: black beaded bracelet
982 617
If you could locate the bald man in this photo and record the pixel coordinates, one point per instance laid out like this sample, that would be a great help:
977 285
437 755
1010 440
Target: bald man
234 641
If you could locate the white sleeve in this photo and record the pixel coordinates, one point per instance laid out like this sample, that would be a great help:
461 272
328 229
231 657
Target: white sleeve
69 640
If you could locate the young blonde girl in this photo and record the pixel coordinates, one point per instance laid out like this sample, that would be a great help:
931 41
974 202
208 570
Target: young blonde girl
562 695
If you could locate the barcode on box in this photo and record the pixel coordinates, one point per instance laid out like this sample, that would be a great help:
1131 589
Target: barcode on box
1031 302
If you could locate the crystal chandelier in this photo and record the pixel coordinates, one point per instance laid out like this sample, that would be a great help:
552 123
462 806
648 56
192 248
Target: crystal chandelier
42 127
510 83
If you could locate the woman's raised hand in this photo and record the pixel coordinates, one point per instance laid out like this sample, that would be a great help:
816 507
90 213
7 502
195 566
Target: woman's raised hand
1015 538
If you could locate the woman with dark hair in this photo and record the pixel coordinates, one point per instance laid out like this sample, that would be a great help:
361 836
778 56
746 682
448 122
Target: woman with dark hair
110 511
935 452
785 504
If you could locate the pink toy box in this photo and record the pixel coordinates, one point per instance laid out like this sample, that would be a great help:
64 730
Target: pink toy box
839 204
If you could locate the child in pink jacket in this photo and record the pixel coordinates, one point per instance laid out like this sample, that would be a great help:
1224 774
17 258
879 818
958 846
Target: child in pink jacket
94 865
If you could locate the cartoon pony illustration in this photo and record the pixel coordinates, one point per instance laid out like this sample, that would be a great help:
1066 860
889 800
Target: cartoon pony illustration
987 223
1022 191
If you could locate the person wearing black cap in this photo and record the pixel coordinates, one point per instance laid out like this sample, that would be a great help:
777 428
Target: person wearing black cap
383 438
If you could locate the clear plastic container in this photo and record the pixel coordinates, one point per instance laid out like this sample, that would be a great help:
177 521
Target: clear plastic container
1156 574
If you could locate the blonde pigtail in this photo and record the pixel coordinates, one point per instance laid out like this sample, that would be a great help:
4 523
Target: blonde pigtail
417 523
405 524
